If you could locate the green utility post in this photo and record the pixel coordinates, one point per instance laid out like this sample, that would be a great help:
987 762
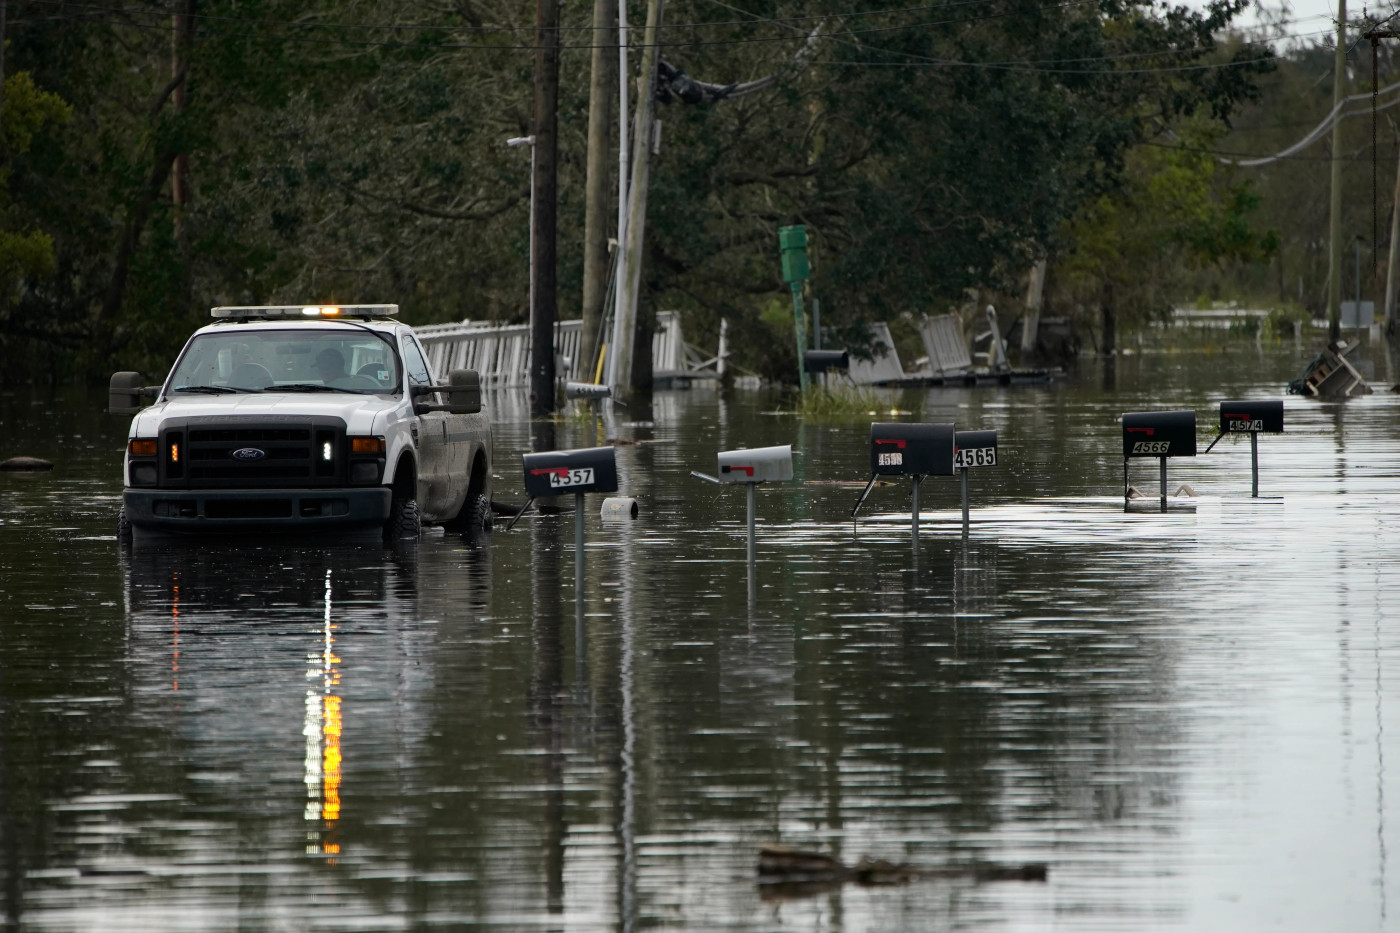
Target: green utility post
796 270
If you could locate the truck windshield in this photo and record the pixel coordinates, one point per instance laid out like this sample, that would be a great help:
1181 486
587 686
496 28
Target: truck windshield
333 360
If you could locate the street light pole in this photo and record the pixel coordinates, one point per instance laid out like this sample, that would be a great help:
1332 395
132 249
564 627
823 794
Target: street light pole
515 142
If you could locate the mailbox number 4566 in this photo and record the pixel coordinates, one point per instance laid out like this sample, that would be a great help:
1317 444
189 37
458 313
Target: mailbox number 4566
976 457
579 477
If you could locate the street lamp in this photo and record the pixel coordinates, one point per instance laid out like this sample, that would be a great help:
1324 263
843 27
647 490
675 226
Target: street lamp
515 142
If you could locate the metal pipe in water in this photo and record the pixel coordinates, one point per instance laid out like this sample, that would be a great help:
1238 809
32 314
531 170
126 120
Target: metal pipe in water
1254 460
578 545
752 496
1163 462
915 522
964 499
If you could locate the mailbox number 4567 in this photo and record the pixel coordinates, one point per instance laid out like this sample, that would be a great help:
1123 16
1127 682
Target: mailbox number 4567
976 457
579 477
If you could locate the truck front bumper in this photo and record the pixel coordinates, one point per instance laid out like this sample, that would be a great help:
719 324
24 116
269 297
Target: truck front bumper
211 511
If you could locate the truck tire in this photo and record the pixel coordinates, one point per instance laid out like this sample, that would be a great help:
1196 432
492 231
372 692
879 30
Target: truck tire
476 519
123 527
405 520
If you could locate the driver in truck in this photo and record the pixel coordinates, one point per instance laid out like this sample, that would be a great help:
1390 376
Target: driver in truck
330 366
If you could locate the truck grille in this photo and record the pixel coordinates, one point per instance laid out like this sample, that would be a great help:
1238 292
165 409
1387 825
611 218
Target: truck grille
230 452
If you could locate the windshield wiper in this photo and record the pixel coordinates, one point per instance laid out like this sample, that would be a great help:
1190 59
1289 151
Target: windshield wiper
313 387
213 390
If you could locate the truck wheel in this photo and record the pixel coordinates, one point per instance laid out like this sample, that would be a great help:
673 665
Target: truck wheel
479 520
404 520
123 527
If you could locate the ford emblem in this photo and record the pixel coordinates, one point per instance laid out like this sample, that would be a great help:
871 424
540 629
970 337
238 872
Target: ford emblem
248 453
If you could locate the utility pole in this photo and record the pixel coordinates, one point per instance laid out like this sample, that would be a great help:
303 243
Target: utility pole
1334 255
624 351
595 233
1375 36
543 306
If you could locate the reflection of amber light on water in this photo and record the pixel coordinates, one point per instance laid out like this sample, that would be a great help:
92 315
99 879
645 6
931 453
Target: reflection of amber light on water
330 765
175 615
322 729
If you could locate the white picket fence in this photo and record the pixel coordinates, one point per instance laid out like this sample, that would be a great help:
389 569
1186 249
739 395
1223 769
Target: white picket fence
501 352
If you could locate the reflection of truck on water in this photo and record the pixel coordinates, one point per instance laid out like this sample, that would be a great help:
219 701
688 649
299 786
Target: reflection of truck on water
304 418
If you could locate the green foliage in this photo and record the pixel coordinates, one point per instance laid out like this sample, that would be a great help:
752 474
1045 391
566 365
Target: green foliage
839 403
1279 324
1177 209
343 149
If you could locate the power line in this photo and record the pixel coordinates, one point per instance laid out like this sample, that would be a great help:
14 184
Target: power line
1320 130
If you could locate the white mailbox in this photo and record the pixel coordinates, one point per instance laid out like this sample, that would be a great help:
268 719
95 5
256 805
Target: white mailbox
756 465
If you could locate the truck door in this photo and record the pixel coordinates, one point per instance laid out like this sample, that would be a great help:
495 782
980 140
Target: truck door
433 464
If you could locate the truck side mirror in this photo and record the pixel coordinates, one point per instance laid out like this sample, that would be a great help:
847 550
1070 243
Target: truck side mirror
463 391
125 392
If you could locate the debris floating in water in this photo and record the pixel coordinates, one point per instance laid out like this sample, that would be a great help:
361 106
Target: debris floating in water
25 465
785 872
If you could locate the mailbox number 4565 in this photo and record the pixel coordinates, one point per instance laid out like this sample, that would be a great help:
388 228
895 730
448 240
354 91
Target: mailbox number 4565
976 457
579 477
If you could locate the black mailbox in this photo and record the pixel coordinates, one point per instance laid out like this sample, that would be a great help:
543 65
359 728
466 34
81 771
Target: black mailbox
975 449
904 449
1159 434
557 472
821 361
1252 417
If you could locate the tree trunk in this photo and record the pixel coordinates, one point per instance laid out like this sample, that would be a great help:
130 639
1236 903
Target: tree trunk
1030 325
595 224
182 35
544 309
1108 323
105 341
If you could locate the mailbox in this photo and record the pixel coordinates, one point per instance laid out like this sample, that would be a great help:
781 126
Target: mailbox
906 449
757 465
975 449
587 390
825 361
558 472
1252 417
1159 434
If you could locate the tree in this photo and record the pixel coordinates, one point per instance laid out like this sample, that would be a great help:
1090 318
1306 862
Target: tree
1177 209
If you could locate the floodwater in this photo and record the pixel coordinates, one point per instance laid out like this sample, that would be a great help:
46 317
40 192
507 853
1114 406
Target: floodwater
1190 718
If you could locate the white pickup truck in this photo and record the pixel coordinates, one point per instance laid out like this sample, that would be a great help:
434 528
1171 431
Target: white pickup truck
304 418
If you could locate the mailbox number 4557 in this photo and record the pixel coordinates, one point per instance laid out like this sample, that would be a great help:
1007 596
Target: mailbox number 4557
579 477
976 457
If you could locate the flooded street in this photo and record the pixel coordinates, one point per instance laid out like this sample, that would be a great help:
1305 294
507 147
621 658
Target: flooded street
1188 717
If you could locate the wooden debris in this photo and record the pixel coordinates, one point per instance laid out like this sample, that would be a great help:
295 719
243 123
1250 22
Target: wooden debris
1330 375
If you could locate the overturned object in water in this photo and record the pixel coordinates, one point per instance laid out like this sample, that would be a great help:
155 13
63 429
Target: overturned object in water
1330 375
787 872
25 465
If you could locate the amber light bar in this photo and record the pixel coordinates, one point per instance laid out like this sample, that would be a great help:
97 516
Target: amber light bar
142 447
301 312
367 445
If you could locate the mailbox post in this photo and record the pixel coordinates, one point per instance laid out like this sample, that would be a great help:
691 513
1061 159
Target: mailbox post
1253 418
914 450
558 472
751 467
1159 434
974 449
